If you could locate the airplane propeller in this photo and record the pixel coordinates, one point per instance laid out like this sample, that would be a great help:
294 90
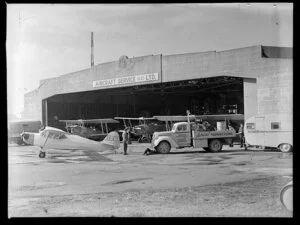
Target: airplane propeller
24 135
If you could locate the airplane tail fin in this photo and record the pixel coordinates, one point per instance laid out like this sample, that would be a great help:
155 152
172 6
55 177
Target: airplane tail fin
112 139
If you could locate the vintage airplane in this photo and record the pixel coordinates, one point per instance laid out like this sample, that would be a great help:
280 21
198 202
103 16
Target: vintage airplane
89 128
53 138
145 128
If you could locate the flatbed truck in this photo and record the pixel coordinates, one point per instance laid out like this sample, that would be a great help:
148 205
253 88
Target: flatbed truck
183 135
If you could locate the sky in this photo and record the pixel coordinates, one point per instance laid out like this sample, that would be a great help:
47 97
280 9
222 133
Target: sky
49 40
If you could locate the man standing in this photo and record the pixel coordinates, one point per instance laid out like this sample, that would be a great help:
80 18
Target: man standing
241 134
125 136
232 129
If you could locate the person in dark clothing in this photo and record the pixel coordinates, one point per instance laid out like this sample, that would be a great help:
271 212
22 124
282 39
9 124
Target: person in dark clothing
125 137
148 151
241 134
129 135
230 127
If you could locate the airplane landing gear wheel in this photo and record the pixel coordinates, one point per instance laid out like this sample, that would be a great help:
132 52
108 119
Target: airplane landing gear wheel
42 154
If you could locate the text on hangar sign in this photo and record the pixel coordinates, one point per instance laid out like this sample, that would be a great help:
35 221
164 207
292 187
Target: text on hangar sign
126 80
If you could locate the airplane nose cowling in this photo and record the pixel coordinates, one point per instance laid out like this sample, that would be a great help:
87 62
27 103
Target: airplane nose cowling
25 136
28 138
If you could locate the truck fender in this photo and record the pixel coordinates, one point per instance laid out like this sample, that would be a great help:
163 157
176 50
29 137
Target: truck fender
168 139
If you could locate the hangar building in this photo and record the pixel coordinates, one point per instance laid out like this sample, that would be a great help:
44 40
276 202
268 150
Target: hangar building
251 80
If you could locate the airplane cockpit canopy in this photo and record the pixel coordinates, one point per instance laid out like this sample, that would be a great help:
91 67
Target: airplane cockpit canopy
53 134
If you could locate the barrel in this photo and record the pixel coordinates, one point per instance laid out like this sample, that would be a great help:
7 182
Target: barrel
221 125
286 196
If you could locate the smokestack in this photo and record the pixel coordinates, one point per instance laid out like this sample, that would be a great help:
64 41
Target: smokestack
92 48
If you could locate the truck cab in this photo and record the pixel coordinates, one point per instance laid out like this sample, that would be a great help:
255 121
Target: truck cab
181 134
178 137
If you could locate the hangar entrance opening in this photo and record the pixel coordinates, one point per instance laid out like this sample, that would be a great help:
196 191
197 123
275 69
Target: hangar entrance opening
217 95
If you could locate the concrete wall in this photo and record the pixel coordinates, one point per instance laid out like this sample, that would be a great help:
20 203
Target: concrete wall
33 106
237 62
269 89
250 97
275 87
83 80
273 77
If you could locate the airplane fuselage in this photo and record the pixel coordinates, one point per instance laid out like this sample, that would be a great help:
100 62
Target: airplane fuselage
68 142
71 142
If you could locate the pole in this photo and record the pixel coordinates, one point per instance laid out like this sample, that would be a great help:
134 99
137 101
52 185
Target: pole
188 116
106 128
46 112
92 49
102 127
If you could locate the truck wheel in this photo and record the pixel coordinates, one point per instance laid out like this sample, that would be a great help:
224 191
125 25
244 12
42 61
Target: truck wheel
285 147
215 145
42 154
163 147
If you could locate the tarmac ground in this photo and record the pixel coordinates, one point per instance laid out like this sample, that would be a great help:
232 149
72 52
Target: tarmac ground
184 183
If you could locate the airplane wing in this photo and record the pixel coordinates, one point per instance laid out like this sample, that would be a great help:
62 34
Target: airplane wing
98 121
221 117
95 121
147 118
54 129
72 122
174 118
135 118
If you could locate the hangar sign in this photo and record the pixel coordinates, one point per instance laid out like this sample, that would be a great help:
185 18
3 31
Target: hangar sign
126 80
